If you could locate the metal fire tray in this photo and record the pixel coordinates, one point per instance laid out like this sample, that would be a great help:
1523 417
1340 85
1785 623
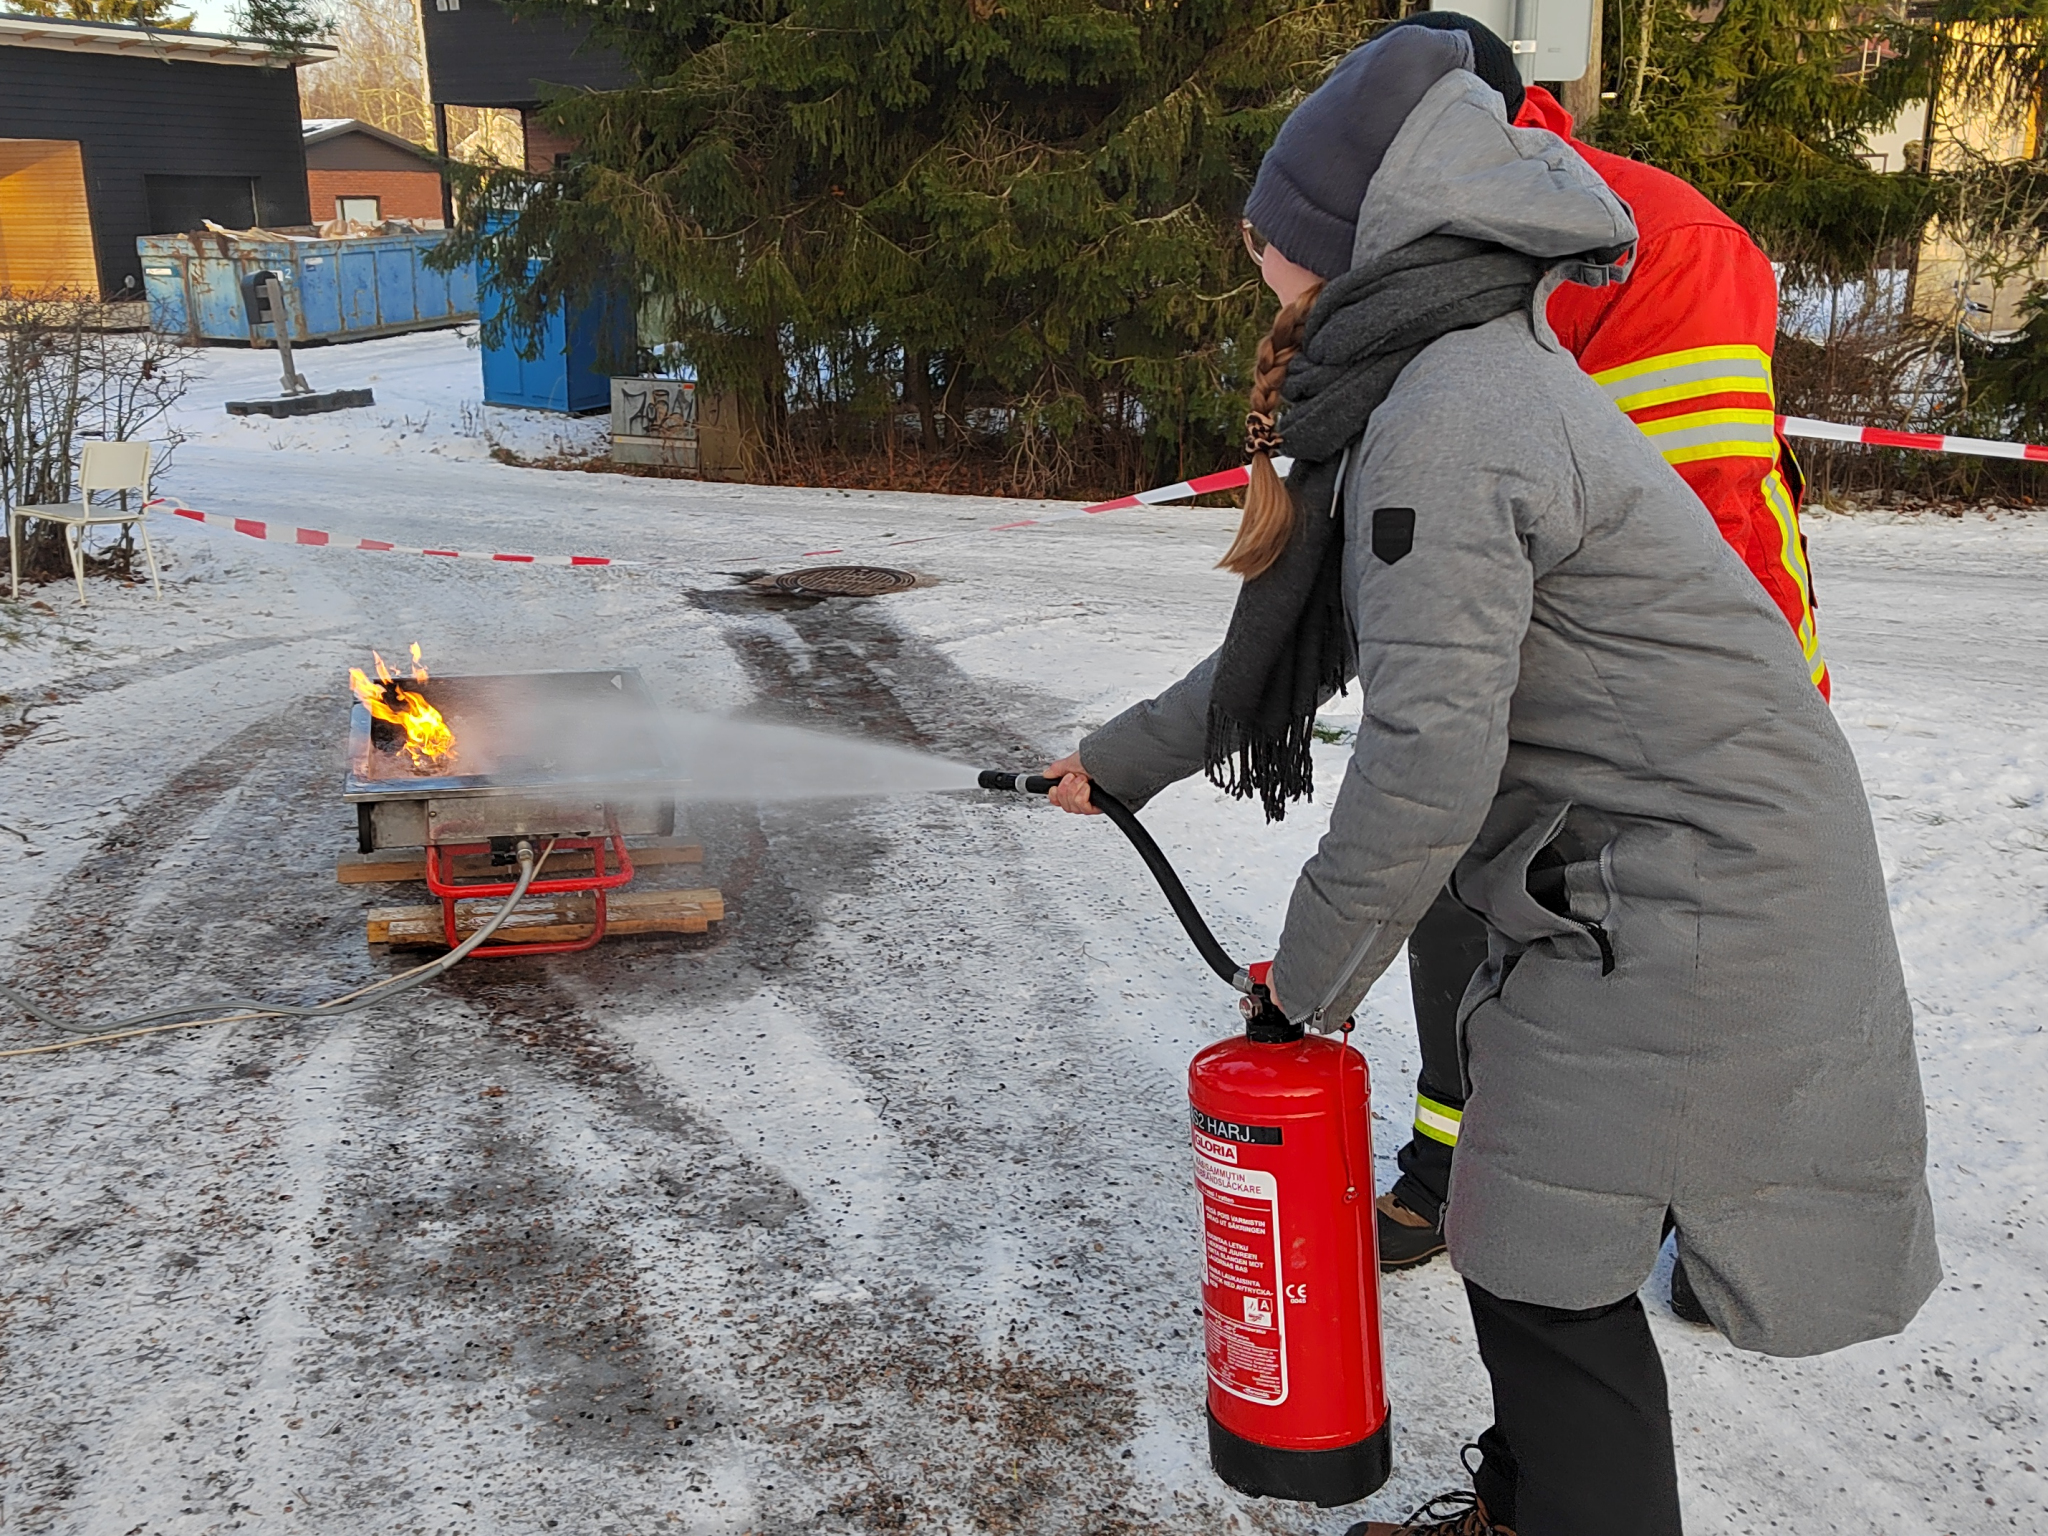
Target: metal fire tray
541 753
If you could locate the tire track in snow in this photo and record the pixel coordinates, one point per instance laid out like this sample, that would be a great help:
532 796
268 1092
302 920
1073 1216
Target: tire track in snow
1012 1246
126 746
574 1298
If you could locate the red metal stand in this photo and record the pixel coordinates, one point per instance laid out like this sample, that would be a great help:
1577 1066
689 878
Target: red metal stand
594 884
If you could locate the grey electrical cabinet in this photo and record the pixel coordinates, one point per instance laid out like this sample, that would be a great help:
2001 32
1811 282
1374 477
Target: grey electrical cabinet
1552 39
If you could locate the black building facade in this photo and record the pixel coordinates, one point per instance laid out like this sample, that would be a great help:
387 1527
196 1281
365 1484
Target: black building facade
479 54
169 129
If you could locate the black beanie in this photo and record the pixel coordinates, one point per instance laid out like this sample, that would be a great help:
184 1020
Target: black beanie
1312 180
1492 59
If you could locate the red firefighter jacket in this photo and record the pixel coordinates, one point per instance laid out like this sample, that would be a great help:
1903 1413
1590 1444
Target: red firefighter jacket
1684 348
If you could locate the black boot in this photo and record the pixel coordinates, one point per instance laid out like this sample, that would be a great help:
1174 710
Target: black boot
1406 1237
1685 1301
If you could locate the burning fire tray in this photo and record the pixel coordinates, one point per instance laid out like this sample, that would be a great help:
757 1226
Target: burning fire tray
536 754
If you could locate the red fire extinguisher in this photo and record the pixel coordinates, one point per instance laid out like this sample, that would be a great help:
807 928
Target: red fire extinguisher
1282 1135
1282 1131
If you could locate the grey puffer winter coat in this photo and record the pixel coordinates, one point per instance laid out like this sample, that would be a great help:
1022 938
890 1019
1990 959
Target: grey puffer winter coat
1565 667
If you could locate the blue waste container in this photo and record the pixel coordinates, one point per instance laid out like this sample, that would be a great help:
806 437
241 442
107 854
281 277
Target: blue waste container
372 285
567 374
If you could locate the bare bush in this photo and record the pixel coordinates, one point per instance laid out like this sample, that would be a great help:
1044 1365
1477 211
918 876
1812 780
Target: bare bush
65 379
1886 351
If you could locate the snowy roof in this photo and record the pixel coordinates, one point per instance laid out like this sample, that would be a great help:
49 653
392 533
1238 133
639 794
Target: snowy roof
153 42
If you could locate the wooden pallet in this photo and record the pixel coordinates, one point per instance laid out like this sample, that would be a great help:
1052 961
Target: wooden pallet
545 919
396 864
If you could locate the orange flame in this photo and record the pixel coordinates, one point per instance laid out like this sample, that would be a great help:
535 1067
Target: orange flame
429 743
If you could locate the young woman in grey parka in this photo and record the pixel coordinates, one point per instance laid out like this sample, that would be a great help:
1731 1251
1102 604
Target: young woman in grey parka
1580 707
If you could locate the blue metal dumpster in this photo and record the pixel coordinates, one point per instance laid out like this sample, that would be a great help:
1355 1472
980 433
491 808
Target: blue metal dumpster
372 285
567 374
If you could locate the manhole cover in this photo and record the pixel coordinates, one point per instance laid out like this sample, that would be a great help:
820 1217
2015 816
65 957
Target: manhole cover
845 581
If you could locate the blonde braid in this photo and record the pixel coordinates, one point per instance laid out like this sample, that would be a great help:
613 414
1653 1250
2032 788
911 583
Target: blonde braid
1268 521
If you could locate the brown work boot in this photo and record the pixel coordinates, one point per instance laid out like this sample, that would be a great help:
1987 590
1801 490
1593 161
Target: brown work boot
1407 1238
1448 1514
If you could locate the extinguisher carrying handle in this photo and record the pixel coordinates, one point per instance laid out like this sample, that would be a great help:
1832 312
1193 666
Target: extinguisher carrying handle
1176 894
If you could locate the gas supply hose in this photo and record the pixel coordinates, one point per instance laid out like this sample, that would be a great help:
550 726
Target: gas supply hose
243 1008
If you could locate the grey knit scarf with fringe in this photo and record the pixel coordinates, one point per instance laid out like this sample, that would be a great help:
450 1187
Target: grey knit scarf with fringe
1289 648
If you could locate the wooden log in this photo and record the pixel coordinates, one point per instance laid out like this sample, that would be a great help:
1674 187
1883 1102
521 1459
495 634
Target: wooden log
549 919
390 865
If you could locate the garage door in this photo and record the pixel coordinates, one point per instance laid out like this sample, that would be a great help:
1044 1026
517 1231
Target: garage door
45 227
180 204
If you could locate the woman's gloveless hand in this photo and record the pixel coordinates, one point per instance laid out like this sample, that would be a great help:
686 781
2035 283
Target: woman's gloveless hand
1071 793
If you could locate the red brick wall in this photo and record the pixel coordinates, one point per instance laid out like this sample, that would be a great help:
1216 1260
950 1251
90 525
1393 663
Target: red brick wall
542 143
400 194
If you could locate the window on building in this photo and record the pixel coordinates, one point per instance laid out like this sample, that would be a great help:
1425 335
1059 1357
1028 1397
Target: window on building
362 210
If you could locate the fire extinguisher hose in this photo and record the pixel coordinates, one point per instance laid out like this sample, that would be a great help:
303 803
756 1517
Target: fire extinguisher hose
1155 860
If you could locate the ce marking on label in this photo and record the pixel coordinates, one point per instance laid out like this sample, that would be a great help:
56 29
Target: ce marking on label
1297 1295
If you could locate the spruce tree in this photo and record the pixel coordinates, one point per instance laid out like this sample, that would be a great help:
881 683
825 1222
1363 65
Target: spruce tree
1023 214
1978 72
2009 380
1762 105
287 25
146 13
1985 59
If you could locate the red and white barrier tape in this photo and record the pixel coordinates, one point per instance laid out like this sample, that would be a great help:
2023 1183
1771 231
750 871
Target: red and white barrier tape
1791 426
284 533
1201 485
1926 442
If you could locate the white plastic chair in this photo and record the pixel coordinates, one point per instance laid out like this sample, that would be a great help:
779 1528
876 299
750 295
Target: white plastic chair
103 467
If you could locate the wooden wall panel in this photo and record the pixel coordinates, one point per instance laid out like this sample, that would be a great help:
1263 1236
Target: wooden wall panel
45 225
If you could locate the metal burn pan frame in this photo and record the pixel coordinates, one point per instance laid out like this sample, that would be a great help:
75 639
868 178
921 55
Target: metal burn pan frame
632 793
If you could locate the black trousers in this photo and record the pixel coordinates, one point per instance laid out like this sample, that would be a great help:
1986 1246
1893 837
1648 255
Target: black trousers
1446 947
1581 1436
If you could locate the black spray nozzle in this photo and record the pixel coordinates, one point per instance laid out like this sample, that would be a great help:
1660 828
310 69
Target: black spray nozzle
1022 783
1127 822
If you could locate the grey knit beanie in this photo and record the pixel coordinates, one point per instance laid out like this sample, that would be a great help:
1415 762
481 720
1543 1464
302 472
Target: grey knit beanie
1312 180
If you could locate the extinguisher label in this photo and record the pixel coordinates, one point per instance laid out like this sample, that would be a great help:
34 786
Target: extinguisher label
1231 1130
1244 1312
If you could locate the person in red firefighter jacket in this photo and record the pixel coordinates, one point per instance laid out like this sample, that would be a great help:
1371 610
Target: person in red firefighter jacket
1683 348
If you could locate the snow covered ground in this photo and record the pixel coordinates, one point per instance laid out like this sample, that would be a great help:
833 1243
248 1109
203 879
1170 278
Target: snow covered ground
870 1211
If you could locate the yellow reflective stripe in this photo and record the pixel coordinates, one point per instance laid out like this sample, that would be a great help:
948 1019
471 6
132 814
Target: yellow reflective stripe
1689 375
1793 557
1732 415
1730 353
1728 433
1735 448
1439 1122
1717 433
1695 388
